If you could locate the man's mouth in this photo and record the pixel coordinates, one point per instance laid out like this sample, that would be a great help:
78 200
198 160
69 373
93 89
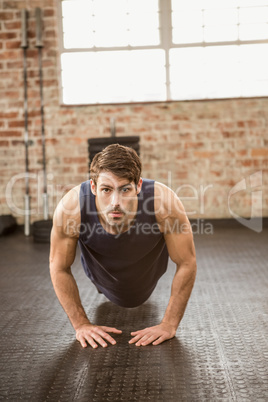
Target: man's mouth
116 214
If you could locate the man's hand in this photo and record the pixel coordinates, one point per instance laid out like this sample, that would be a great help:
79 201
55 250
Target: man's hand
154 335
89 333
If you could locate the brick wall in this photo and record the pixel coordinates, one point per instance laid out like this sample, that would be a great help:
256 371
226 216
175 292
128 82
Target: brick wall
201 149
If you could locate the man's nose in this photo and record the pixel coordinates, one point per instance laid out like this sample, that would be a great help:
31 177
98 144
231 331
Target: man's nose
115 199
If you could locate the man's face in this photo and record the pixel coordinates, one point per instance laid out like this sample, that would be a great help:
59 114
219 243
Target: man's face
116 201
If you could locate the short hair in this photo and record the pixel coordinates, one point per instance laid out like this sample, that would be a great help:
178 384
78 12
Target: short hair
122 161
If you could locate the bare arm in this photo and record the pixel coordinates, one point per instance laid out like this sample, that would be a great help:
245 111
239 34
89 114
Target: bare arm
181 251
64 237
176 228
62 256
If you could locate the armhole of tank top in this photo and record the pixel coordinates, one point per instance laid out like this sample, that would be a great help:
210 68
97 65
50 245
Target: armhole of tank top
150 193
154 217
82 194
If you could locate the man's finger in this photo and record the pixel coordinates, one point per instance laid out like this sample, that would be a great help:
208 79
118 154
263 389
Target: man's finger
82 342
99 339
159 340
107 337
147 341
91 342
109 329
136 332
135 339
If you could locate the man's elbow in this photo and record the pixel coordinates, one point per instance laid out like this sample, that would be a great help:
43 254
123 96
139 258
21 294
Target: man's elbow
189 266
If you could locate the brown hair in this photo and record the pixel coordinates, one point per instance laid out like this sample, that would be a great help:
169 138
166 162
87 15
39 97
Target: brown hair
120 160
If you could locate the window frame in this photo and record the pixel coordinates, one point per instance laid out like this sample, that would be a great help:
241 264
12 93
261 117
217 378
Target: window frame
166 44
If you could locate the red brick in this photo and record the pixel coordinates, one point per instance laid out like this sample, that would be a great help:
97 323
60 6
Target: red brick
4 143
17 142
8 55
243 152
6 15
78 160
82 169
226 125
15 124
234 134
247 162
8 35
204 154
14 64
16 25
194 145
259 152
51 33
249 123
10 133
49 141
10 4
8 115
180 117
13 45
11 94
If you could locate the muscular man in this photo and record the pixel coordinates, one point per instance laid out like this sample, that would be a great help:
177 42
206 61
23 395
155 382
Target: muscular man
127 228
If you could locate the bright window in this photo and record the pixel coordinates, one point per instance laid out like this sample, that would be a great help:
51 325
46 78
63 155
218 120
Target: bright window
124 51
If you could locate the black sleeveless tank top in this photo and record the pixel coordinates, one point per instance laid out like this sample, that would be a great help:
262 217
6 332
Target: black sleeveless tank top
125 267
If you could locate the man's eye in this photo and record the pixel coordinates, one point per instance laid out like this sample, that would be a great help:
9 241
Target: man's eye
125 190
106 190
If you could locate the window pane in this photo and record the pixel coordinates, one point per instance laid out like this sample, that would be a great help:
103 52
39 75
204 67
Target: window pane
187 80
78 77
143 22
253 31
218 3
77 24
143 6
254 62
147 75
122 76
254 88
253 14
202 4
221 17
221 33
106 23
143 29
219 71
187 35
187 26
246 3
186 5
187 18
110 30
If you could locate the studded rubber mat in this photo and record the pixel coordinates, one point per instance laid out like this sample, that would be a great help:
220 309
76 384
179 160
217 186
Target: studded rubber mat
219 353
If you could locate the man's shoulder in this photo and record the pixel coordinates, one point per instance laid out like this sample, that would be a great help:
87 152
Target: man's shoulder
169 210
70 200
67 217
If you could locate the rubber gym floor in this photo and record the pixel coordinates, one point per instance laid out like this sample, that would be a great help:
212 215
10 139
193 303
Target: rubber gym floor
219 353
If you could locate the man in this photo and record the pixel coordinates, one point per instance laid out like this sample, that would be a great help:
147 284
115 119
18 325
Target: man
127 228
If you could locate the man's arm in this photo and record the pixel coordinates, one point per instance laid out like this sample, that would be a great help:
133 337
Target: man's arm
176 228
64 237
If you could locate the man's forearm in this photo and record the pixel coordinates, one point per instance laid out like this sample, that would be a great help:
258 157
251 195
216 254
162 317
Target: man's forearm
181 289
67 292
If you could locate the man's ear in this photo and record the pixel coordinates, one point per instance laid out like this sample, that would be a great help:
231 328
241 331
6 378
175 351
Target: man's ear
93 187
139 185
